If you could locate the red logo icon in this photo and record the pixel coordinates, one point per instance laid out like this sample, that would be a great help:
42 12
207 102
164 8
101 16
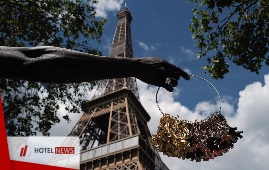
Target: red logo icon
23 150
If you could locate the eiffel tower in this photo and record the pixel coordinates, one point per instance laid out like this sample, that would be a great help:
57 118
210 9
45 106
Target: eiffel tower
113 130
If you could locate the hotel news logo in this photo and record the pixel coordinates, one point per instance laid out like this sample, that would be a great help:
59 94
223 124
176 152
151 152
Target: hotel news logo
56 150
24 150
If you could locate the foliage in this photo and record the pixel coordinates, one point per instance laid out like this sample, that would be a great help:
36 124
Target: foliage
231 30
32 107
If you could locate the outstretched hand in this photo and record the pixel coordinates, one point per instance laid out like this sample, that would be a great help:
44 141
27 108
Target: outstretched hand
160 73
59 65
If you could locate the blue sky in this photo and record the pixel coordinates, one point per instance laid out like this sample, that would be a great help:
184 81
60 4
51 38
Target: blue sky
160 29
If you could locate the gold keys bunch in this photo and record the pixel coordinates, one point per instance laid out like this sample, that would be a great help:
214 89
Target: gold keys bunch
199 140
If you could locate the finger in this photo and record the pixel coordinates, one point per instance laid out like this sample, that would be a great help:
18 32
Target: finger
168 87
176 72
172 71
184 75
174 82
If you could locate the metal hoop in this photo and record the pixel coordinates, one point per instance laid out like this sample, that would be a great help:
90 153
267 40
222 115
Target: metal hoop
191 75
198 140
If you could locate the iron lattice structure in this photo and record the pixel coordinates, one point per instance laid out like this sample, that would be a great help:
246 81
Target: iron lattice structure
113 130
121 47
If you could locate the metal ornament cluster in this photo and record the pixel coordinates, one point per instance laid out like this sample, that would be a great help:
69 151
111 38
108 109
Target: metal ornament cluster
199 140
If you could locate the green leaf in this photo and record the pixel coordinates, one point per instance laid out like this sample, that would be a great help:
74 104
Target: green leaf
235 31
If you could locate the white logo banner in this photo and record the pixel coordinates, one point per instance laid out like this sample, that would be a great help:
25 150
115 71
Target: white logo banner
56 151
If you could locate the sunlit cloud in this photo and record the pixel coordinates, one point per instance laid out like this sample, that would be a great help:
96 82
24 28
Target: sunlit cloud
188 53
146 47
63 128
251 117
105 6
187 70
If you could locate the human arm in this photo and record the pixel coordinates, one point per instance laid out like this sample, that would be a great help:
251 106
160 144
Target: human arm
60 65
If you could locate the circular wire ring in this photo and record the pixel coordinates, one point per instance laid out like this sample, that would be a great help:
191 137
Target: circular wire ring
191 75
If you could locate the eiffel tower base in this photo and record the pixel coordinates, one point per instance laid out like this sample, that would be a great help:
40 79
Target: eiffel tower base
132 153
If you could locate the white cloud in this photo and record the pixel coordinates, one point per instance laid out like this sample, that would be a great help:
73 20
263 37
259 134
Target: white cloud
253 106
252 117
185 54
146 47
105 6
107 45
188 53
63 128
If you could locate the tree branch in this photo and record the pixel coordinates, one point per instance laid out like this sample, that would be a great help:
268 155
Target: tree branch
232 14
